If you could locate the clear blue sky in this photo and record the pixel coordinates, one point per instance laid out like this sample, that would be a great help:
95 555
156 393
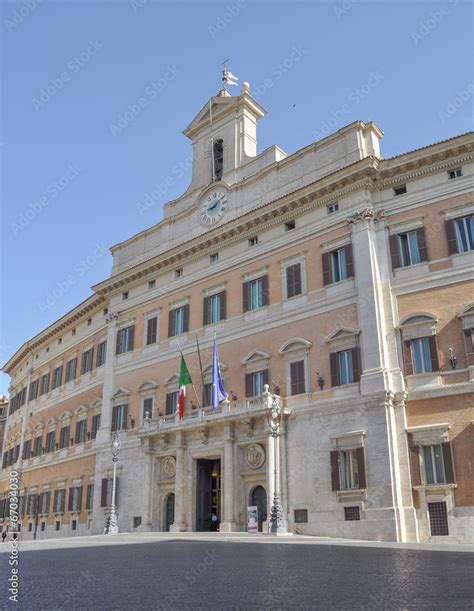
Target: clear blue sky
75 173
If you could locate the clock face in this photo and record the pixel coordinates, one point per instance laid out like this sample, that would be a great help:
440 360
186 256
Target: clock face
213 207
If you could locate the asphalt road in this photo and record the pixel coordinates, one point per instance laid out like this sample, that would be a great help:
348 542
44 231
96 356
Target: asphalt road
200 575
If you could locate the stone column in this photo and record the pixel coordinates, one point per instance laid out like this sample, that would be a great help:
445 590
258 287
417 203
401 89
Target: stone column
180 485
103 434
148 486
228 523
284 472
270 477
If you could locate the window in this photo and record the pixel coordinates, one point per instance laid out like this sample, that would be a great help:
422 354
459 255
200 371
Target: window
75 498
401 190
253 241
438 519
256 294
151 330
64 437
81 431
119 418
345 367
37 448
57 377
148 407
409 253
30 527
105 311
214 258
59 501
60 341
33 393
43 526
351 513
26 450
338 265
90 497
421 355
332 208
464 229
89 322
178 272
301 516
254 383
101 352
44 387
214 308
73 332
171 402
434 464
106 492
95 425
50 441
349 470
297 378
293 280
217 159
125 339
137 521
408 248
290 225
457 173
151 284
125 296
178 321
44 502
57 525
71 370
73 524
207 394
87 361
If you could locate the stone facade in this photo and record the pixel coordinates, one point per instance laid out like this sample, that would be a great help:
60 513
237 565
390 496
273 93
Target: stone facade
341 279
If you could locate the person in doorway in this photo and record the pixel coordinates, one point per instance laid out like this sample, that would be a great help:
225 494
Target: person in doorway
214 521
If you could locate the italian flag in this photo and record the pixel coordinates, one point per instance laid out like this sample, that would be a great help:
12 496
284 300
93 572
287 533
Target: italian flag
184 378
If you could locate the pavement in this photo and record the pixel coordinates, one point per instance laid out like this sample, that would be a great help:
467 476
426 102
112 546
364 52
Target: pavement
213 571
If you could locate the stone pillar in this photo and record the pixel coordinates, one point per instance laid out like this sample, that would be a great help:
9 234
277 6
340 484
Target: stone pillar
180 485
103 434
270 478
284 472
148 486
228 523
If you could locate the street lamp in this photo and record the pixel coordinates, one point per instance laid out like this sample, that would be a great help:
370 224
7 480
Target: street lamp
275 415
111 526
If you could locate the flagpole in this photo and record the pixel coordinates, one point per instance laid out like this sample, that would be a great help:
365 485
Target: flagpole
192 383
200 361
212 141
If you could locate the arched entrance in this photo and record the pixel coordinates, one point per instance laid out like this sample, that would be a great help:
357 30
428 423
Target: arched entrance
169 511
258 498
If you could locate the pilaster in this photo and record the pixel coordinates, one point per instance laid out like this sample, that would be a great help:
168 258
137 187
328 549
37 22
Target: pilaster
228 523
103 434
180 484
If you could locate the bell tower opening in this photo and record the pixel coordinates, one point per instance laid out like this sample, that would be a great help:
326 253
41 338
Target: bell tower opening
217 159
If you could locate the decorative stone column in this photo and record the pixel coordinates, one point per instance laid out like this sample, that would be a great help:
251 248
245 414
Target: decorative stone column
228 523
179 524
103 434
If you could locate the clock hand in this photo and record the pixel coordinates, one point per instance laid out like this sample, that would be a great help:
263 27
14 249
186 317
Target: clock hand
214 206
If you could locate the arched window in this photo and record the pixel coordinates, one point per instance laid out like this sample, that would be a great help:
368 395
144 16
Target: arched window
218 159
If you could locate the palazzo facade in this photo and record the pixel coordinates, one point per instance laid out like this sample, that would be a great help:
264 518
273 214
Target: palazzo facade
342 280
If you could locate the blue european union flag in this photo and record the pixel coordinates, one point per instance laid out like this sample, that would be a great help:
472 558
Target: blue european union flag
218 392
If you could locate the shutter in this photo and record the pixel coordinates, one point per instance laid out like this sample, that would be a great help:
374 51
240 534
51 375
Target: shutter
407 358
205 311
171 323
394 251
118 347
149 331
334 369
186 318
297 280
349 261
265 376
55 501
414 463
92 359
265 291
335 470
76 436
79 499
421 239
448 462
114 418
451 237
360 454
70 499
223 304
246 296
103 492
248 385
434 353
290 287
125 418
327 268
131 338
356 364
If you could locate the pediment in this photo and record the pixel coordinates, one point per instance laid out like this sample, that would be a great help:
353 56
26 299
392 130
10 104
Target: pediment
342 333
295 344
467 311
67 415
97 404
147 386
418 318
121 393
82 409
208 369
52 421
255 355
173 378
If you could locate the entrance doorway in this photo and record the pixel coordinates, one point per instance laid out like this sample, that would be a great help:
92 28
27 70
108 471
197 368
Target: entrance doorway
258 499
169 511
208 492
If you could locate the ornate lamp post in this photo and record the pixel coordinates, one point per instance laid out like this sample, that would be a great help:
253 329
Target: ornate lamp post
111 526
278 525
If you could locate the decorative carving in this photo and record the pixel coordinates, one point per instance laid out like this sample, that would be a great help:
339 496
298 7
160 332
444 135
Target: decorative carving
249 424
204 433
168 466
255 456
112 317
368 214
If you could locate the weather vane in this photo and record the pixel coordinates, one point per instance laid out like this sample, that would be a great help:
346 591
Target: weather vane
227 77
